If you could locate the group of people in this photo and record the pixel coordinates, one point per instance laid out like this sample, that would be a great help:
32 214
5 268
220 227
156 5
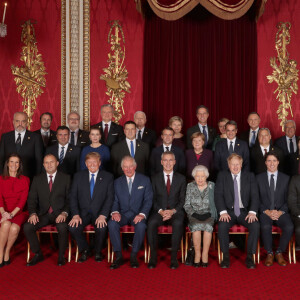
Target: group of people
73 178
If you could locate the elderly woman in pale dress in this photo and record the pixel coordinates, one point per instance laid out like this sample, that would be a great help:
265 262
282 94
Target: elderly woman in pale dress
201 211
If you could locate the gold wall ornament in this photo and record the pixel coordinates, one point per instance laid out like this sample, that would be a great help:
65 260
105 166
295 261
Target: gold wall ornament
116 74
285 73
29 78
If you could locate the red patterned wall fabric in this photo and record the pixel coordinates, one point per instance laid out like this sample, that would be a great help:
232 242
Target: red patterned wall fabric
276 11
46 13
133 26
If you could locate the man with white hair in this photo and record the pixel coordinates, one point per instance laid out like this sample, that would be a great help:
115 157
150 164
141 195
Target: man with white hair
288 142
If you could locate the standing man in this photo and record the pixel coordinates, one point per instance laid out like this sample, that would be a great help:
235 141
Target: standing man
209 132
111 133
225 147
130 147
48 136
144 134
78 137
132 204
237 202
48 203
27 144
273 192
91 198
67 155
288 142
168 199
167 136
250 136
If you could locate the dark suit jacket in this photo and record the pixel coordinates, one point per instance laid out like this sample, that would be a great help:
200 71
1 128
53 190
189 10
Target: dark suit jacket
40 198
81 202
161 199
121 149
71 162
52 137
31 152
115 134
140 200
221 154
281 191
224 192
155 160
294 196
244 136
212 133
149 137
257 159
291 163
83 138
282 144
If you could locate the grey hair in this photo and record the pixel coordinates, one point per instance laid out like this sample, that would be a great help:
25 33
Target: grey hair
128 157
289 121
107 105
264 129
141 112
167 153
200 168
73 112
20 113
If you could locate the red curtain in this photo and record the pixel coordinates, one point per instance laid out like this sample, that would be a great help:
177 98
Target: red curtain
199 59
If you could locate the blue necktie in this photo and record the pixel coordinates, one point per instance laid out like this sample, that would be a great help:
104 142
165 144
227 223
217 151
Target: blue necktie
61 155
130 185
252 139
131 149
92 185
205 134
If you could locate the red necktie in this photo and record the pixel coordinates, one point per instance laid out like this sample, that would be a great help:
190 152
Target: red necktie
50 188
106 133
168 184
266 151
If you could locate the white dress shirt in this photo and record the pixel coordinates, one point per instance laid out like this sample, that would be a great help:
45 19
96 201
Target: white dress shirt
165 149
53 177
90 176
103 125
128 141
166 178
275 178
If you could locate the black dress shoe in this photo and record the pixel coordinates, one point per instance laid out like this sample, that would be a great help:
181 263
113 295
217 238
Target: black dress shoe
225 263
117 264
85 254
99 257
152 263
6 262
36 259
204 264
197 265
2 264
134 262
174 264
250 263
61 261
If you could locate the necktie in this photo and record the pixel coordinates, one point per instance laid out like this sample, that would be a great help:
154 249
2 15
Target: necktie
140 135
272 191
105 133
236 207
205 134
266 151
61 155
131 149
130 186
45 138
18 142
231 148
167 148
291 146
72 138
168 184
92 185
252 139
50 211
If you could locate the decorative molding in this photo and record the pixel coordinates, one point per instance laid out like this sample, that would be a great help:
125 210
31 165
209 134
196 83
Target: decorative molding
63 62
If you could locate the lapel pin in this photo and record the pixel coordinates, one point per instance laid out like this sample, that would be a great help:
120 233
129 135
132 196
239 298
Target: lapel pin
297 158
238 144
70 149
29 138
100 178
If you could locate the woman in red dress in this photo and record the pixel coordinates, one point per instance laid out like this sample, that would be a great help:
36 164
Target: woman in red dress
13 196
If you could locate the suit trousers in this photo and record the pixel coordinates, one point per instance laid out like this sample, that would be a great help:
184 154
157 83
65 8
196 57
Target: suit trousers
224 227
286 225
155 221
47 219
79 236
114 233
296 221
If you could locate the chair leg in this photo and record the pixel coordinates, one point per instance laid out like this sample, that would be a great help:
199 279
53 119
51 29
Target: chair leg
294 249
28 251
148 254
112 256
186 244
76 255
182 252
70 249
258 251
145 248
219 252
290 256
108 249
52 240
214 241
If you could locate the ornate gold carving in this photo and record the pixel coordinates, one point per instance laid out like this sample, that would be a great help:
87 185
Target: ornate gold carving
285 74
116 74
63 62
30 78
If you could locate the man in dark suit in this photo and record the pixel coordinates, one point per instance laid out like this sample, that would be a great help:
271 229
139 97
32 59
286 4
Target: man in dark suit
168 199
237 202
78 137
273 189
48 203
258 152
91 198
48 136
132 204
250 136
27 144
130 146
111 133
144 134
209 132
167 136
67 155
288 143
232 144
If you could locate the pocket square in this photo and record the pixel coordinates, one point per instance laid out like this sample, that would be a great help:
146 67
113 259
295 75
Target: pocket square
140 187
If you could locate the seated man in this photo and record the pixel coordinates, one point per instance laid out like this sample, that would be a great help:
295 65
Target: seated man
48 203
168 199
91 198
133 201
237 202
273 189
